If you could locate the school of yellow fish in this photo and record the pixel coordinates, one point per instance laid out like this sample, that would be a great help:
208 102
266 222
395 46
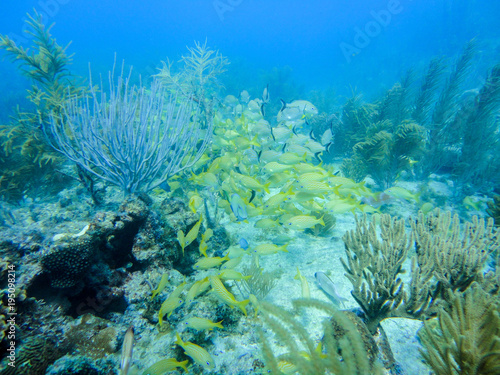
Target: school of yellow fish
266 176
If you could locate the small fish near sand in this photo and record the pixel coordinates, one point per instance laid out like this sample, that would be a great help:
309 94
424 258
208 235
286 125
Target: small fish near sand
329 288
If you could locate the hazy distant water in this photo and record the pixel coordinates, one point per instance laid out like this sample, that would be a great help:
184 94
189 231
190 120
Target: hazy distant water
345 44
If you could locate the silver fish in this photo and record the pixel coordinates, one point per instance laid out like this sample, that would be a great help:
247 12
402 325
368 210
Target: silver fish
329 288
127 349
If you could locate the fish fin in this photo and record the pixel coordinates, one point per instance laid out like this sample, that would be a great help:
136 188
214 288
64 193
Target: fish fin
329 147
266 188
262 111
252 197
183 365
178 339
241 305
311 134
317 156
321 220
283 105
297 276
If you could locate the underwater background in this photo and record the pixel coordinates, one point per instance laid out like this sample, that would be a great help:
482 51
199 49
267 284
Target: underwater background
249 187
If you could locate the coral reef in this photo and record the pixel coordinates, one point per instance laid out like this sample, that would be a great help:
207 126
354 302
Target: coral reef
66 264
437 130
373 266
448 258
27 160
494 209
344 349
34 357
466 337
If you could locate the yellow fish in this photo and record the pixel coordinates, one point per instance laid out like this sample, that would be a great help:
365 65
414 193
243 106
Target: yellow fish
196 289
225 295
471 204
205 237
303 222
209 262
165 365
195 202
426 208
171 303
340 206
250 182
161 285
266 223
306 293
315 187
302 168
192 234
197 353
230 274
277 199
181 239
399 192
310 177
202 324
269 249
274 167
291 158
232 262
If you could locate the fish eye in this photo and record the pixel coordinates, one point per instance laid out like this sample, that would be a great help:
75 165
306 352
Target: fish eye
208 363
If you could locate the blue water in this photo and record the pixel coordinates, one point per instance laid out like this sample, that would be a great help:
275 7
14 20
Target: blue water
321 41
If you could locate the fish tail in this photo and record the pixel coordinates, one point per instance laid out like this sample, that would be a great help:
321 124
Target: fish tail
219 324
297 276
417 197
283 105
266 187
321 220
183 365
241 305
178 339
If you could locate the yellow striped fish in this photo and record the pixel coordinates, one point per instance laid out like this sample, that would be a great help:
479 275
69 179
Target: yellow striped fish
161 285
165 365
225 295
196 289
269 249
209 262
197 353
202 324
301 222
306 293
171 303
